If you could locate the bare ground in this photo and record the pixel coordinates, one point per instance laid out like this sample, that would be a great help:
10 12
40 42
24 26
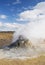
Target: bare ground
6 38
35 61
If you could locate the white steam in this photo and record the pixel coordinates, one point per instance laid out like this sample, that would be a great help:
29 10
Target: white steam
35 28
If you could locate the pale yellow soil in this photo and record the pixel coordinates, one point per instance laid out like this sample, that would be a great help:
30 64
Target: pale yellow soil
35 61
5 38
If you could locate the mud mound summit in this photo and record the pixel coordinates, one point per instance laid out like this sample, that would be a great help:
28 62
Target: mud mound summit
21 42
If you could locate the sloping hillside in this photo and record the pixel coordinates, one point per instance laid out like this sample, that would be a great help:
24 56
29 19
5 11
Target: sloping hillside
5 37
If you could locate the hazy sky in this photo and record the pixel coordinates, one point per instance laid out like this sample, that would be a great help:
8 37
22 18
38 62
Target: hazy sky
16 13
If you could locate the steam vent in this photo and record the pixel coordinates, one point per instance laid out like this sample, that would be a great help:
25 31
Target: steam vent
21 42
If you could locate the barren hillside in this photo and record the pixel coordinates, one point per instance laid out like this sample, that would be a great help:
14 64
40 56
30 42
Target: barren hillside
6 37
